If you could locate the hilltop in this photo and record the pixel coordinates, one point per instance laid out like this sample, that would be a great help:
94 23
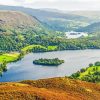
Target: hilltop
14 20
50 89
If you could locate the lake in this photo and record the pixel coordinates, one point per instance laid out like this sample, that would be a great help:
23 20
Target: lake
26 70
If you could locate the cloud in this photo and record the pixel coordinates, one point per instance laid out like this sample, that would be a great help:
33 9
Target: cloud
56 4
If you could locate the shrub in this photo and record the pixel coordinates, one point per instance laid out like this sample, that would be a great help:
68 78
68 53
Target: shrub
82 70
97 63
90 65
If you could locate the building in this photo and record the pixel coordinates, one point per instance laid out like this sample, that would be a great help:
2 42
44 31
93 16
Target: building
73 34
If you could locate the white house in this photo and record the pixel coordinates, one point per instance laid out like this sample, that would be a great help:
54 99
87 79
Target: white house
73 34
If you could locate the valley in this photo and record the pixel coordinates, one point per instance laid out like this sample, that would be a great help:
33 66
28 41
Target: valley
48 54
22 34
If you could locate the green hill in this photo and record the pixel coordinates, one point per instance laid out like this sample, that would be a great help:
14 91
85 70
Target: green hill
13 20
17 29
92 28
90 74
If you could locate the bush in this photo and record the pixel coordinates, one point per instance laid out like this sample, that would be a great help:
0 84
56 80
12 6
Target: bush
75 75
82 70
97 63
90 65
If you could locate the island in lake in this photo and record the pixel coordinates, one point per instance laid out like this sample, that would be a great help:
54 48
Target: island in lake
49 62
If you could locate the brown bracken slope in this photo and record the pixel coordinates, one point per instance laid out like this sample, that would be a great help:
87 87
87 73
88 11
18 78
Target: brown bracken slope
50 89
13 20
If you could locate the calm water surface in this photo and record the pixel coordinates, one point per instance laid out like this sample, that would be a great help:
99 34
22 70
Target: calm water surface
26 70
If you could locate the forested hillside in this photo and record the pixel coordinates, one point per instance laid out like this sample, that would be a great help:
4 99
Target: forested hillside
19 30
16 27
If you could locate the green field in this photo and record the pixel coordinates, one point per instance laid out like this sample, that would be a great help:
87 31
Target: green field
9 57
52 48
33 48
89 70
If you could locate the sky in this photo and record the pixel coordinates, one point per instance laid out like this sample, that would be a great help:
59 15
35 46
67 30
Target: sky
55 4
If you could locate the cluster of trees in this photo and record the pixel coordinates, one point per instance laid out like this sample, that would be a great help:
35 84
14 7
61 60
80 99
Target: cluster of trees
3 67
92 73
50 62
94 77
10 43
95 64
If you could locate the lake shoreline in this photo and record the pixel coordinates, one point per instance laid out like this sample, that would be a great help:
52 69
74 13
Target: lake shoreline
74 60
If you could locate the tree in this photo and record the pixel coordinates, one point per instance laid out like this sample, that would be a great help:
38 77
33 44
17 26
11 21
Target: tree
97 63
90 65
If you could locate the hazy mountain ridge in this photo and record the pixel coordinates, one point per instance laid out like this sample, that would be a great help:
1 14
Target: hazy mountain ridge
43 12
92 28
54 19
90 14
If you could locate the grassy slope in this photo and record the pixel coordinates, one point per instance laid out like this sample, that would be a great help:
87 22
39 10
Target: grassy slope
8 57
89 74
14 19
31 47
89 70
49 48
12 22
52 48
50 89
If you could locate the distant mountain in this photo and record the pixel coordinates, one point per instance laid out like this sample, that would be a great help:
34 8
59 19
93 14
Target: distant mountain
90 14
42 13
14 20
60 21
54 19
51 10
95 27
